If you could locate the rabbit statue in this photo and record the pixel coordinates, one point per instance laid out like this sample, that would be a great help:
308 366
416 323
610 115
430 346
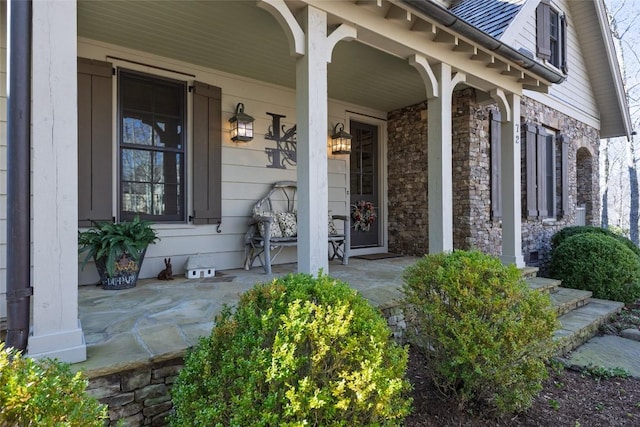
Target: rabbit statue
167 273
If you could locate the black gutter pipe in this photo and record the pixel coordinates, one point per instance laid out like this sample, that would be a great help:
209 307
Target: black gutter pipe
447 19
19 176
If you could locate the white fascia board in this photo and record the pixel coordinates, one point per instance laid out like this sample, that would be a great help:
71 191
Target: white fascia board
612 60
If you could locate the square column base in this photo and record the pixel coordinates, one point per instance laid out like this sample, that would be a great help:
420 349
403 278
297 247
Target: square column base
516 260
66 346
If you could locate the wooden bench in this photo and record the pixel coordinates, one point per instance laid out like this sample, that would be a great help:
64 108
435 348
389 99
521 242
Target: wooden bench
265 238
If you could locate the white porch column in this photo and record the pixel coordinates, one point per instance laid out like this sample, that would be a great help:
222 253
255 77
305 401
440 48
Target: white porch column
311 118
509 105
440 185
56 329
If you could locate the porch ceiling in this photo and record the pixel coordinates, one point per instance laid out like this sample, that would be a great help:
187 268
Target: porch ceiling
239 38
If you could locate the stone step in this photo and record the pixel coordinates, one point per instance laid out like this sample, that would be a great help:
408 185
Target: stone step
565 299
528 272
580 324
543 284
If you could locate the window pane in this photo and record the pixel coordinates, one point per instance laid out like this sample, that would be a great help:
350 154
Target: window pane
367 184
136 166
136 198
152 147
168 132
136 128
167 167
168 100
167 200
136 93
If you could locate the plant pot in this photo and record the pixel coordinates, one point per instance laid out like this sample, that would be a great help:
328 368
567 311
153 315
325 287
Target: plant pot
126 272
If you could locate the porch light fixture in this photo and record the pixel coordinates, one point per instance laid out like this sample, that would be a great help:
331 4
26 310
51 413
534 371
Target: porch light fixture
340 140
241 125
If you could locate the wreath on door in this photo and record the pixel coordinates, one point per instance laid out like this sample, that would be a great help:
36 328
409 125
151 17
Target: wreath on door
363 215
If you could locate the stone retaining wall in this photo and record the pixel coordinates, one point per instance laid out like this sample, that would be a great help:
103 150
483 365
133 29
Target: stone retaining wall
138 397
141 396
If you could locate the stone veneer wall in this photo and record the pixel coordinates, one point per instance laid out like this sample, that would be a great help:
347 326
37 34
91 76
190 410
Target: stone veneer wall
588 190
140 396
473 226
407 181
536 234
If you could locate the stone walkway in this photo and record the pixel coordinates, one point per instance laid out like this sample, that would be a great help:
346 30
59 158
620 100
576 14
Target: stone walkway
609 351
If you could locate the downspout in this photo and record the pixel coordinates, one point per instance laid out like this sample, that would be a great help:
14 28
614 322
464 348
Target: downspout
19 175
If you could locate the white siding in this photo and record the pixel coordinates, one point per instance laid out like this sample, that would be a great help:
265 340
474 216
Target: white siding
575 95
245 177
3 159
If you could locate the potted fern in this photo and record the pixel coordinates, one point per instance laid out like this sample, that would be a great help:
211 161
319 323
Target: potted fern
118 250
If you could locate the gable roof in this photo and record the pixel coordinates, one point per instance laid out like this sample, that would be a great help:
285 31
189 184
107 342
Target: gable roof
592 26
494 17
489 16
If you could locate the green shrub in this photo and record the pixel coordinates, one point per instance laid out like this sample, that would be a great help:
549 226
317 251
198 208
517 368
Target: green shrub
597 263
297 351
44 393
567 232
485 336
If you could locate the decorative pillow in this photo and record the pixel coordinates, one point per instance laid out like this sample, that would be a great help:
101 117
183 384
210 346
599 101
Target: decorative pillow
288 224
332 227
276 231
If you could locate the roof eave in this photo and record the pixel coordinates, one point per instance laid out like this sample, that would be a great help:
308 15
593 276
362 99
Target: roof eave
618 82
447 19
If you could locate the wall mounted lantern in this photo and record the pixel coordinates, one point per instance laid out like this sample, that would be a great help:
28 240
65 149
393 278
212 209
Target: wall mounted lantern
340 140
241 125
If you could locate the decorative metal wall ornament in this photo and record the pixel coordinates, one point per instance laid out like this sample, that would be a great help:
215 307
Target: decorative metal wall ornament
285 152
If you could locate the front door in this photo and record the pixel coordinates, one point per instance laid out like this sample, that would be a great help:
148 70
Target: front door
365 211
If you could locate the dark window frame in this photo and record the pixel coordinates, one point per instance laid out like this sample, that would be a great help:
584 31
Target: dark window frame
181 151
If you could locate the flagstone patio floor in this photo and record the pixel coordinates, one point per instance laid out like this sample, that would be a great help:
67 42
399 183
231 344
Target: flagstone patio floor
159 320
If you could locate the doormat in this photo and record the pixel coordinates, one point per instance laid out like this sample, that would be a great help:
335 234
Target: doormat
373 257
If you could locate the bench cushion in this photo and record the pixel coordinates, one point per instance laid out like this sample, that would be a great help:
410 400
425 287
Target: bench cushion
288 224
276 231
332 227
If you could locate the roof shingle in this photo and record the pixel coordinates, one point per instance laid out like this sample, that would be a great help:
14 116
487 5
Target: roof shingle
489 16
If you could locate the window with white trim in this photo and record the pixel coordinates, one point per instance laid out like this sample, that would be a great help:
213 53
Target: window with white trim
152 140
551 35
151 145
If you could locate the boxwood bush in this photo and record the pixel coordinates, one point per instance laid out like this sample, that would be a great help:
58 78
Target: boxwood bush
297 351
567 232
44 393
484 335
598 263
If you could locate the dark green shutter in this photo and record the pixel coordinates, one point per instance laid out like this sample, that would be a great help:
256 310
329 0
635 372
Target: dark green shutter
543 27
495 130
95 141
207 154
531 133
